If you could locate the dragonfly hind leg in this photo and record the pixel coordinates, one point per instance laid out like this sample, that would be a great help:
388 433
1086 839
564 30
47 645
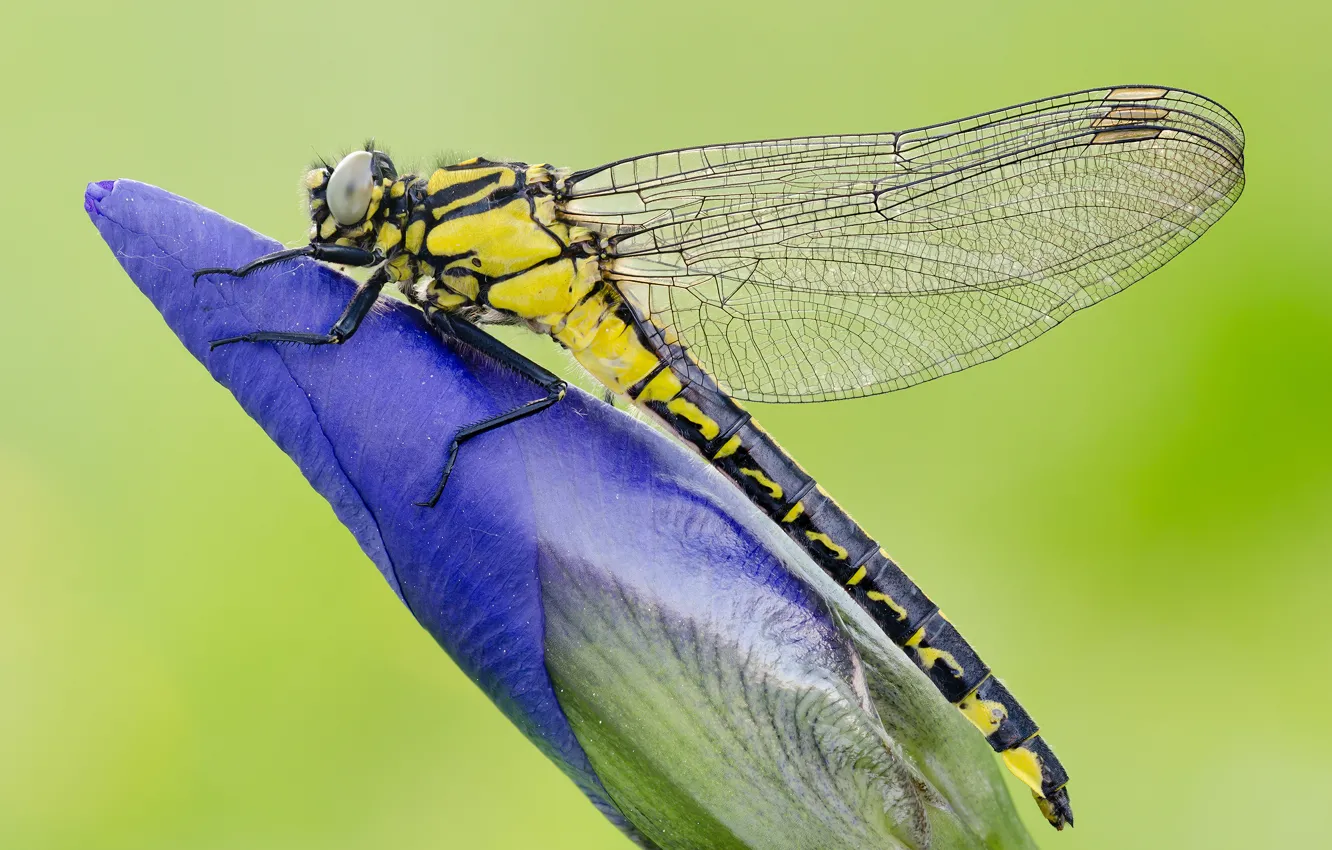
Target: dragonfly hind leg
475 338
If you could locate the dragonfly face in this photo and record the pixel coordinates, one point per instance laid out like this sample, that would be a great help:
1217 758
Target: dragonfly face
347 202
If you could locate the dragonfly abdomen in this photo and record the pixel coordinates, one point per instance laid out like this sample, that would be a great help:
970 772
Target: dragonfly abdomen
724 433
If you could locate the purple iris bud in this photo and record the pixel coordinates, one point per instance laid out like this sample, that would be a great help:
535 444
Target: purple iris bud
665 644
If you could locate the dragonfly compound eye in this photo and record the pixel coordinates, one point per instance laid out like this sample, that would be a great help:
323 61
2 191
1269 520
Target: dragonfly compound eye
349 188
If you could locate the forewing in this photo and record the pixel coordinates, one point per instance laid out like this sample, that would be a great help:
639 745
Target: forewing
842 266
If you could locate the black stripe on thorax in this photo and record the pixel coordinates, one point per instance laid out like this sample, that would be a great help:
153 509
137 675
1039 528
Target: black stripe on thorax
457 191
594 292
484 204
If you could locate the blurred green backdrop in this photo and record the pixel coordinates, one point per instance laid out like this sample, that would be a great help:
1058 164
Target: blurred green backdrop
1132 517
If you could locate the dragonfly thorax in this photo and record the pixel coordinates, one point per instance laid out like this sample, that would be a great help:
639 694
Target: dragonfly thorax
483 237
478 237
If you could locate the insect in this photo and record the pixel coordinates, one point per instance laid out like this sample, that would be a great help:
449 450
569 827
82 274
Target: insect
796 270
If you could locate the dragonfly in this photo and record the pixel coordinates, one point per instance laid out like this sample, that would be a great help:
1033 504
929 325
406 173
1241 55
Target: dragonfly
794 270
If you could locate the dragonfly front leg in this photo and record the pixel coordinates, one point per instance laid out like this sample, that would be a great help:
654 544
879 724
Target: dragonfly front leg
471 335
343 255
342 329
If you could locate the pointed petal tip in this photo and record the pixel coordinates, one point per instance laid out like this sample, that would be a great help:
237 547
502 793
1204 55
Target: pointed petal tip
95 192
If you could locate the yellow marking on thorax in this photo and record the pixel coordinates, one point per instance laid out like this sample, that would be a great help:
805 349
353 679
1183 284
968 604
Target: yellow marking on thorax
504 239
772 487
985 715
464 285
838 552
401 268
796 510
438 295
880 596
444 178
544 211
929 656
1025 766
389 237
546 293
415 236
857 577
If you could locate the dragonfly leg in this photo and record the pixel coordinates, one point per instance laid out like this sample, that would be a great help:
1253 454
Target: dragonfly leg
345 255
474 337
341 331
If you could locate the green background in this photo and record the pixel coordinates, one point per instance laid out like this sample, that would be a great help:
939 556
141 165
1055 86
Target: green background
1132 517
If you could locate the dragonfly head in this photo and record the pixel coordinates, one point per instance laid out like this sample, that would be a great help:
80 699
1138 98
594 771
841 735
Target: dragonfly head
347 201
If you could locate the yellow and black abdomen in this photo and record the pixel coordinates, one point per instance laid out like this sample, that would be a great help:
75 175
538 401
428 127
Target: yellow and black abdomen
677 391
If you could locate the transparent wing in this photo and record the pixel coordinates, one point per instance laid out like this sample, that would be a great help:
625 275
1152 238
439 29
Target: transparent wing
842 266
